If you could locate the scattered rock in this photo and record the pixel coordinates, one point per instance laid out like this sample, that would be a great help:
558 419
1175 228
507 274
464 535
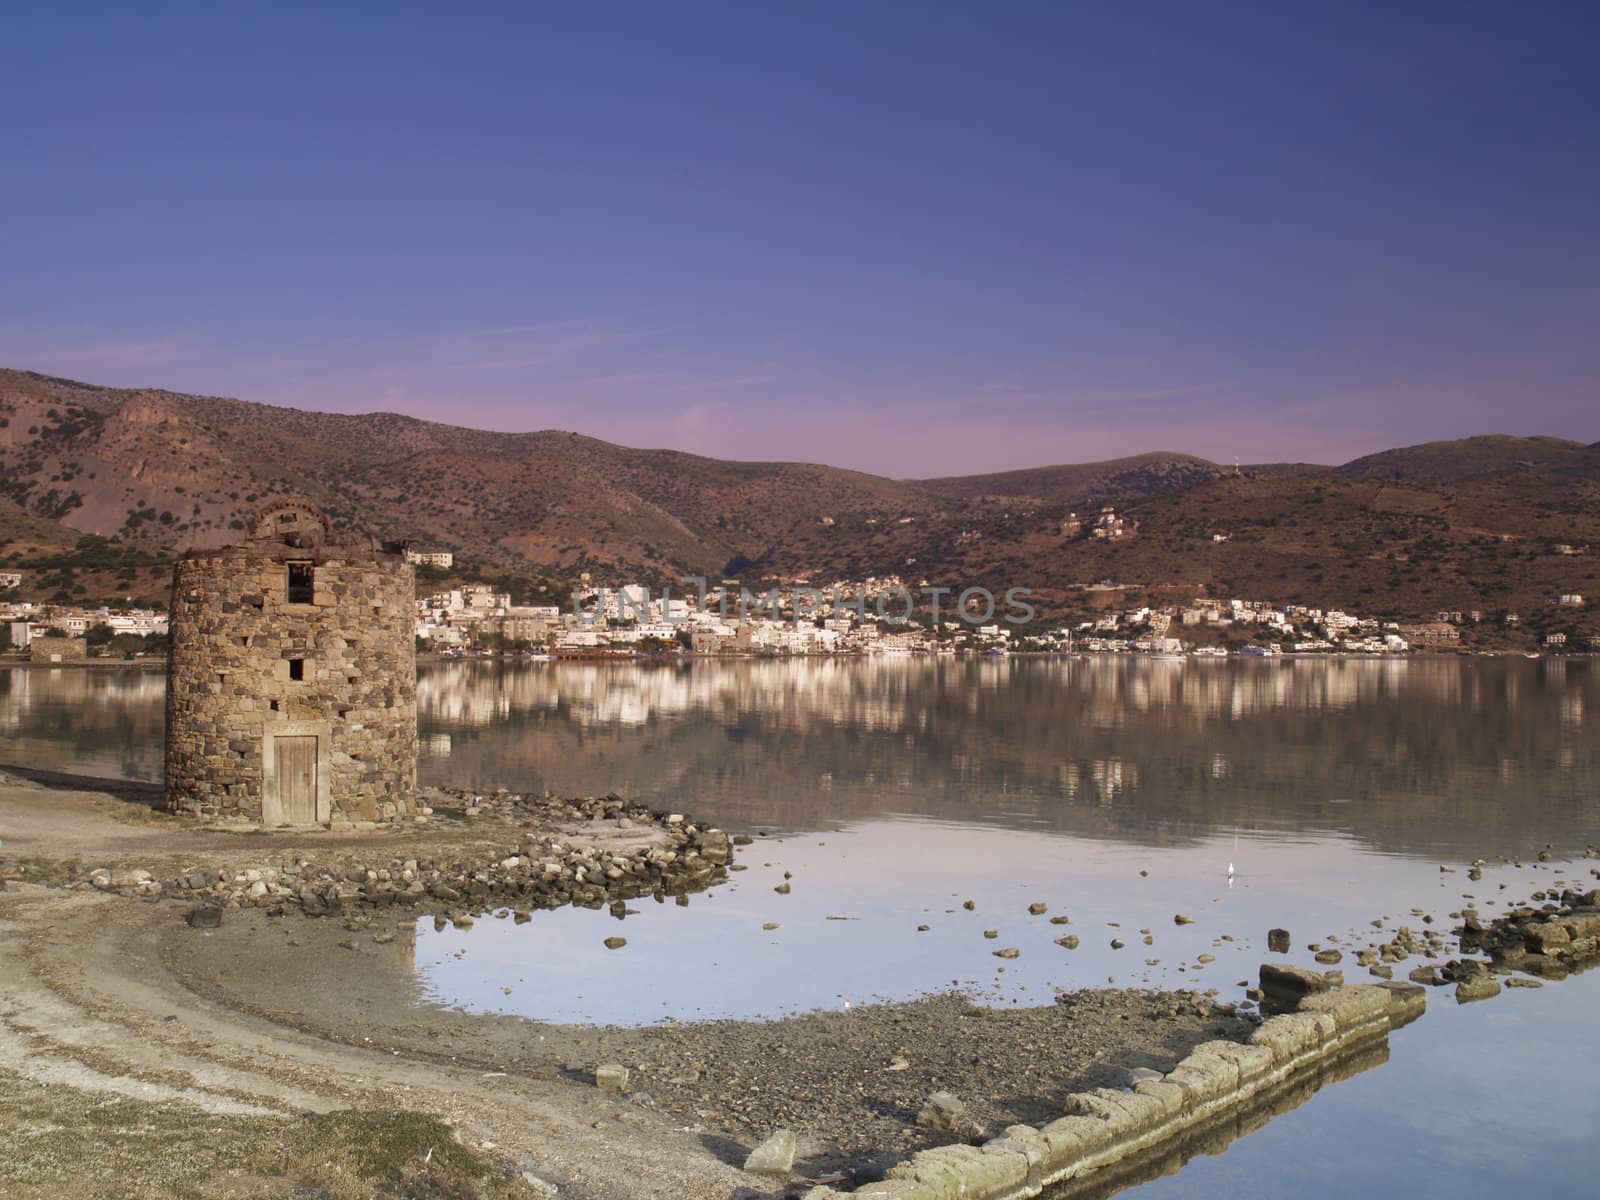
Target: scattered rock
940 1111
1037 909
611 1077
206 917
541 1188
1070 942
945 1113
615 943
537 870
1286 984
775 1156
1182 919
1479 988
1008 952
1278 941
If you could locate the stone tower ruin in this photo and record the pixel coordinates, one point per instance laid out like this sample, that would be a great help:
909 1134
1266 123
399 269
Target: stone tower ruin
291 679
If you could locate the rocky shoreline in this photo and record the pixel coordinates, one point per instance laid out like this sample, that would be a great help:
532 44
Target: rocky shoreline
850 1096
590 852
1550 942
850 1085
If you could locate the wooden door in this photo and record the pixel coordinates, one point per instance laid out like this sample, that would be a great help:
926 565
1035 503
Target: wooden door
297 779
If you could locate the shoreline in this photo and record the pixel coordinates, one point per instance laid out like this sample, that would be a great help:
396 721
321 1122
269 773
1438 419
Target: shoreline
292 1006
150 665
322 994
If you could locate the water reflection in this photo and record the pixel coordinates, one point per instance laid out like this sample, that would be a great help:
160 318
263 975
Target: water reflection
1419 756
1424 757
106 723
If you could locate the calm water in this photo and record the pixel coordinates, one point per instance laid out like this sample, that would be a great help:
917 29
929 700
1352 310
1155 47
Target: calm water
1115 791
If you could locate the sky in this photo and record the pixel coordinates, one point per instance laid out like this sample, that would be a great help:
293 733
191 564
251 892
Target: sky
912 238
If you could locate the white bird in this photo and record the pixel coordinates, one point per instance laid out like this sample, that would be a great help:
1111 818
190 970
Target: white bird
1230 872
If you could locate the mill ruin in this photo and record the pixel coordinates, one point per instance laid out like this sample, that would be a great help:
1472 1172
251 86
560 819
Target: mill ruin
291 679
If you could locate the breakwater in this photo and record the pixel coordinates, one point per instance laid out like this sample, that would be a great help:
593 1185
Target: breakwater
1105 1129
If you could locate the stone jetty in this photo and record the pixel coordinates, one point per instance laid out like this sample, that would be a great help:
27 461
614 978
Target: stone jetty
1104 1128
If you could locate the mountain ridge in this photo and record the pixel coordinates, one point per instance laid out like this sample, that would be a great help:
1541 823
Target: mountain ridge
162 471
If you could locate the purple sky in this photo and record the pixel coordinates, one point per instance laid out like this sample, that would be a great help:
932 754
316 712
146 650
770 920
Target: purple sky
915 239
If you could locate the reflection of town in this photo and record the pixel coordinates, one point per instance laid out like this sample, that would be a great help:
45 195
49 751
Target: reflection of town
1416 755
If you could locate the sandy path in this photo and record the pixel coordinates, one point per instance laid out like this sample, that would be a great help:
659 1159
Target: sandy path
86 1000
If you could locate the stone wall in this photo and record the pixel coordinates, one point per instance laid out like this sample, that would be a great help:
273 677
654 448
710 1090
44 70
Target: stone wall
56 649
1106 1127
232 690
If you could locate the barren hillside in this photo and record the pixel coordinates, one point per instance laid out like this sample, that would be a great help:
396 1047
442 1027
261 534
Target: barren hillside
1476 523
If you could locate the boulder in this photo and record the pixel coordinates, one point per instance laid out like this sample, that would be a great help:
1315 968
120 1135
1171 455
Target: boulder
1478 988
775 1156
943 1112
1291 984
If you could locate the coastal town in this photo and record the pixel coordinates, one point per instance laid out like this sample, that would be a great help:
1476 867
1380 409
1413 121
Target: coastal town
877 616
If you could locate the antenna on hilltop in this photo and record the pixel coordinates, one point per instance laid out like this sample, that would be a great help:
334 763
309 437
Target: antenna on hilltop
1236 470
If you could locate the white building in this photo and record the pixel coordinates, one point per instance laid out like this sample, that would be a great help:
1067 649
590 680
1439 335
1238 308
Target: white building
444 559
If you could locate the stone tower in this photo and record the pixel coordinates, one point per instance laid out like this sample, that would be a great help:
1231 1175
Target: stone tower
291 680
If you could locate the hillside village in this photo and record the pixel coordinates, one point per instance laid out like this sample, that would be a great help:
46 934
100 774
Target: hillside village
1482 543
881 616
869 617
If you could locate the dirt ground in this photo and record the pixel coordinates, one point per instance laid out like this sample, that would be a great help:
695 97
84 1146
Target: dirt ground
294 1055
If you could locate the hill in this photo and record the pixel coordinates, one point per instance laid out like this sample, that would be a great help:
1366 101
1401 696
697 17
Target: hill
114 481
1369 546
1115 479
1468 458
182 471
